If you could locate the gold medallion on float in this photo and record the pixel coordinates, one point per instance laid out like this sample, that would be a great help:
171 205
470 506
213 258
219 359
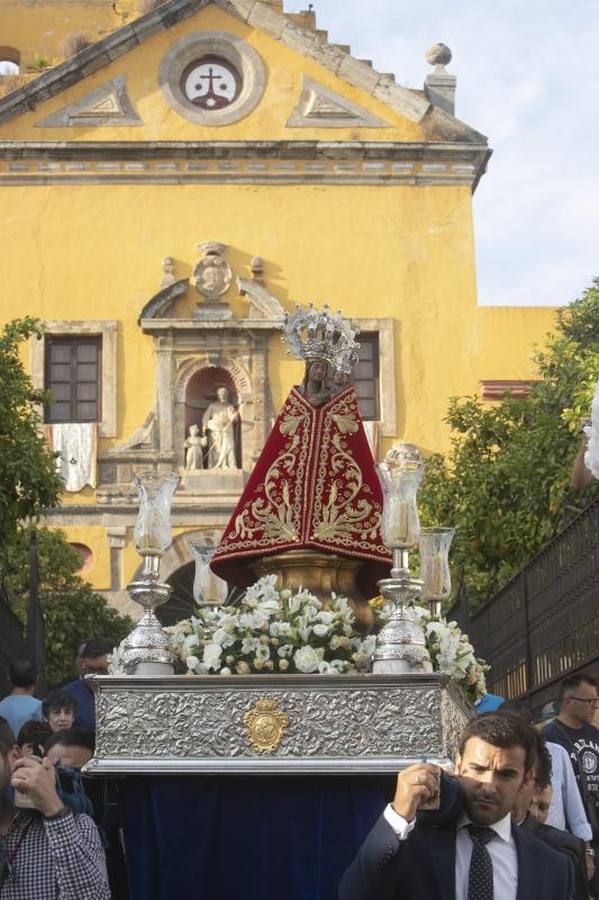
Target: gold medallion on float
266 725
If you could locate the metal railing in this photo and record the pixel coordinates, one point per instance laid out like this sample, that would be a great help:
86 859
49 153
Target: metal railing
545 622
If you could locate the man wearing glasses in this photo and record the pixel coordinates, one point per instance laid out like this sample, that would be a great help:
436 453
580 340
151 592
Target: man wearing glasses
573 729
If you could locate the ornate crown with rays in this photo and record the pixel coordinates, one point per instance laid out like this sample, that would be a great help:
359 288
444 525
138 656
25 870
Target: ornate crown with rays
320 334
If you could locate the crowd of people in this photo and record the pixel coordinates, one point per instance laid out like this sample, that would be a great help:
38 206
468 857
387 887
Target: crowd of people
59 830
518 820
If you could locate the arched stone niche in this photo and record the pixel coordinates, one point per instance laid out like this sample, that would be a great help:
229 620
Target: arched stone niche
197 380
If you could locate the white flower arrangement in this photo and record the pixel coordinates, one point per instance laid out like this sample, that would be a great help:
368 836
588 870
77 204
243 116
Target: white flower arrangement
273 631
281 631
449 648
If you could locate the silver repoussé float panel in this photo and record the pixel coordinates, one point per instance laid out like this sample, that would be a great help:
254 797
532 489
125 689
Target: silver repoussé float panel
266 724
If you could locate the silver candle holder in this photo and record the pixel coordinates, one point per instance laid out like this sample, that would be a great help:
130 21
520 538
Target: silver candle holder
146 650
401 643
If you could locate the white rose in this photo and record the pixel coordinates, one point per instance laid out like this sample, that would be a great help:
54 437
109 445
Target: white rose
192 662
320 630
225 671
242 668
283 665
306 659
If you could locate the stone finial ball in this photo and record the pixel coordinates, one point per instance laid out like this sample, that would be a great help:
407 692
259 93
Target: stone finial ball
438 55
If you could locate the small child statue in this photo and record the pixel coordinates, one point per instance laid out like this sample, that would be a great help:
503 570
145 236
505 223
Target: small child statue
193 449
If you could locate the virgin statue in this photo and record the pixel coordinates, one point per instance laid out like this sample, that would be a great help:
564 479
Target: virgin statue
314 486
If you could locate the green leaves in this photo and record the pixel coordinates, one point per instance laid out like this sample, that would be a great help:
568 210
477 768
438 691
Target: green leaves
72 611
29 485
505 482
29 482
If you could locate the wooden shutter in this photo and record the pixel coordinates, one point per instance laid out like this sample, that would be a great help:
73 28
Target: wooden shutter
73 373
366 376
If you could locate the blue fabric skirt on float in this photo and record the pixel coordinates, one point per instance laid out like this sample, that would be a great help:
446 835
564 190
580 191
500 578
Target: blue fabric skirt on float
246 837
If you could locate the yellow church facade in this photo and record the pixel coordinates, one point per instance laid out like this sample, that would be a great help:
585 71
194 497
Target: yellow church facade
172 189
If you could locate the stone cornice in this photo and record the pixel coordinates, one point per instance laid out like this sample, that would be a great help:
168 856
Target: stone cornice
255 13
135 150
241 162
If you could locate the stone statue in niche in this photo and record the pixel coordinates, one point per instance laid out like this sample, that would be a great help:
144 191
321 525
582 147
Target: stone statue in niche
218 425
193 447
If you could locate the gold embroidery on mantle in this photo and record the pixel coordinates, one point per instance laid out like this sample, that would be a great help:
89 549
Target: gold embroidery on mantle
339 518
277 514
345 424
340 514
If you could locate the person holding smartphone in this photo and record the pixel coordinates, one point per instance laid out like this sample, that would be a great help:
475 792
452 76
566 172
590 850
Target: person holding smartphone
47 851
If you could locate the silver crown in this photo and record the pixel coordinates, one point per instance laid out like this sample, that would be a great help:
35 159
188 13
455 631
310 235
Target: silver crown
319 334
346 361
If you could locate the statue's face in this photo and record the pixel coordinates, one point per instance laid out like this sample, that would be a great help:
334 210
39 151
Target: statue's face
318 371
340 378
222 394
194 429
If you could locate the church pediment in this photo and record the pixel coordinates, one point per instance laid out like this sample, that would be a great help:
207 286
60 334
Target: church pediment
217 70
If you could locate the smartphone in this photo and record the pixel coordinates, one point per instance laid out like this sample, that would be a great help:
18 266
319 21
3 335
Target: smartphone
435 801
22 799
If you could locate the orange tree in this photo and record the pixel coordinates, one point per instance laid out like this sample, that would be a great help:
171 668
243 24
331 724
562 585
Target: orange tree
504 485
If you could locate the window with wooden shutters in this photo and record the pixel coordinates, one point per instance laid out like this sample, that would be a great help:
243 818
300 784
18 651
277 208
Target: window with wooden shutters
73 376
366 376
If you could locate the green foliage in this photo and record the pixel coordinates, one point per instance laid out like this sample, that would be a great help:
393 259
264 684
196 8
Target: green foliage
72 611
506 481
29 482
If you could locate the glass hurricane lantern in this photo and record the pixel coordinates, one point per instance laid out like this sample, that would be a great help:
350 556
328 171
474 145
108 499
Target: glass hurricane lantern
145 650
435 573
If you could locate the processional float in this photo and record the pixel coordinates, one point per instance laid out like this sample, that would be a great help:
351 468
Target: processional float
315 512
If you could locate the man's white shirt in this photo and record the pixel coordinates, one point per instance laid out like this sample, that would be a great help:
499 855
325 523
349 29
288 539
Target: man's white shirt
566 810
502 851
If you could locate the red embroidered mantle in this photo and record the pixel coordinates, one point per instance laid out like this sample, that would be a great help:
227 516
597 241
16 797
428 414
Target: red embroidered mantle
314 486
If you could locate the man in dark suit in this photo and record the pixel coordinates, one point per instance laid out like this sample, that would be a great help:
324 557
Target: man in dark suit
468 849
